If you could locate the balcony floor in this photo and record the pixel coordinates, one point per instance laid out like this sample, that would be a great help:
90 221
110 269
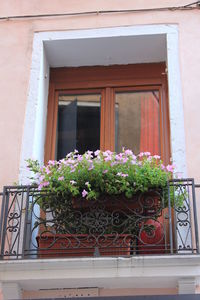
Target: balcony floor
105 272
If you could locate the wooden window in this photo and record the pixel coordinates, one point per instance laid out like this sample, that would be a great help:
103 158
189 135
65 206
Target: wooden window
108 108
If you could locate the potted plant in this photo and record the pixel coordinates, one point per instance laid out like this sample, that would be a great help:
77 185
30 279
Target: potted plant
78 182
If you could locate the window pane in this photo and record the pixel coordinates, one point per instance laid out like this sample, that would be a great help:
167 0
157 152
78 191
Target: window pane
137 121
78 124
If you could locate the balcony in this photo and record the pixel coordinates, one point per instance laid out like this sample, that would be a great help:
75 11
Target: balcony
151 223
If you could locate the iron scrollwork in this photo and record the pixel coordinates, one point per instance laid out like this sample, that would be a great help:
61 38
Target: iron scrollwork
145 224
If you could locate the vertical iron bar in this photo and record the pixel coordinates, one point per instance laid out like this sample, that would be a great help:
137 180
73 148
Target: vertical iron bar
1 221
195 216
25 221
190 217
170 220
1 218
32 217
20 220
4 219
164 223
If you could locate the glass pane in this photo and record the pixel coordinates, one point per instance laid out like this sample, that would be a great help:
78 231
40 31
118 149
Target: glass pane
137 121
78 124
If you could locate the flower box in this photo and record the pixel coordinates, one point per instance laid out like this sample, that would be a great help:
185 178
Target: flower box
144 204
82 192
80 245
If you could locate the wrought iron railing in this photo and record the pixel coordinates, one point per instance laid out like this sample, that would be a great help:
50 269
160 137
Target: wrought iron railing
161 221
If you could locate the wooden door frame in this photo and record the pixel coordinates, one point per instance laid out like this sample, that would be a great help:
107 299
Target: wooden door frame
107 79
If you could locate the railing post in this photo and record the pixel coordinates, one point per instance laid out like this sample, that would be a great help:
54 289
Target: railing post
24 243
3 225
170 220
195 216
1 219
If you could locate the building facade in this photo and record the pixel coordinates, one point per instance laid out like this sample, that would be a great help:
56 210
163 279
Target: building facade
103 50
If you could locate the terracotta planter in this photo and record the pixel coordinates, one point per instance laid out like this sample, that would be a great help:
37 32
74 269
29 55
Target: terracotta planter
108 203
147 203
107 214
80 245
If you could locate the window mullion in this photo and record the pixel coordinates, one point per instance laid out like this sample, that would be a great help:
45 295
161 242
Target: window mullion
108 120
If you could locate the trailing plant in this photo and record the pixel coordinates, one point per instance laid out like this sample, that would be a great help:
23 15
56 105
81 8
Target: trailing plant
100 173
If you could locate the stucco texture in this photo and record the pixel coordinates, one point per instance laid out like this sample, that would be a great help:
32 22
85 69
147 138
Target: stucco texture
16 39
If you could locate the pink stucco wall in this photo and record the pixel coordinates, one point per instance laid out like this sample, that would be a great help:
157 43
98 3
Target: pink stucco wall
16 38
15 61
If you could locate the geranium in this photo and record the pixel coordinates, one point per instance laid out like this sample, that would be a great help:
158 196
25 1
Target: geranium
102 173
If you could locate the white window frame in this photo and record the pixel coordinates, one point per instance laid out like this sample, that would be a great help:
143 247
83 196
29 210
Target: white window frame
36 111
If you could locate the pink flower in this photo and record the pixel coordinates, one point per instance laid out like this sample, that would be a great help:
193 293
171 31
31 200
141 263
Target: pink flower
41 178
119 157
61 178
147 153
141 154
72 182
84 193
124 175
170 168
89 155
42 184
79 157
90 168
52 162
72 169
121 174
97 152
125 160
105 171
69 154
47 170
89 152
128 152
107 153
108 158
162 167
156 156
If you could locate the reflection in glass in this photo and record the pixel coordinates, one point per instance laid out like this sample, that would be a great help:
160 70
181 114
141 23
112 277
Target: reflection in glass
78 124
137 121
